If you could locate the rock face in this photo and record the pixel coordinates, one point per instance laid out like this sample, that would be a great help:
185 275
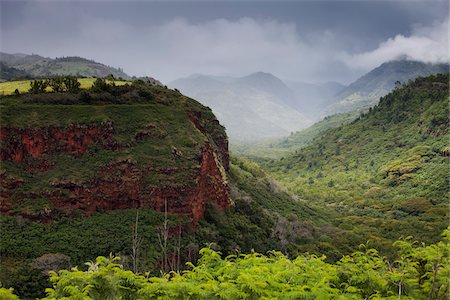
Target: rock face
20 143
118 183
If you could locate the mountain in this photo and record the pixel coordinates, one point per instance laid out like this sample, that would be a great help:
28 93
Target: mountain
91 173
253 107
365 92
318 100
38 66
267 83
386 173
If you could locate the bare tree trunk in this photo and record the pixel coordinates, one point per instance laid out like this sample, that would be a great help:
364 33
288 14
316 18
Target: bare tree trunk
179 249
162 238
136 243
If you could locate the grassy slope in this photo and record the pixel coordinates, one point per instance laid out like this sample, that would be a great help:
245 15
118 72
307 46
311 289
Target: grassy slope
386 173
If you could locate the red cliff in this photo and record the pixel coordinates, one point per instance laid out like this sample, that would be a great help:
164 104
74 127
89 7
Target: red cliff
119 184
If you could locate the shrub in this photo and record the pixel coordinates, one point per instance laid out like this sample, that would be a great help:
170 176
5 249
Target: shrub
420 272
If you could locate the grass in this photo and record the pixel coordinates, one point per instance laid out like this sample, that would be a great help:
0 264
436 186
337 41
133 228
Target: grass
8 88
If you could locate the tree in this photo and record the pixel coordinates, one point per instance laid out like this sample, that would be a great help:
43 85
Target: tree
136 243
100 85
71 84
38 86
56 83
110 77
163 236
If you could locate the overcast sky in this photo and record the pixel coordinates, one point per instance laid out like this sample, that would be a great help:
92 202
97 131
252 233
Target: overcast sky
312 41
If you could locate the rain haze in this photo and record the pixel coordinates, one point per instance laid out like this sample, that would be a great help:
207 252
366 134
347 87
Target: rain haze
297 40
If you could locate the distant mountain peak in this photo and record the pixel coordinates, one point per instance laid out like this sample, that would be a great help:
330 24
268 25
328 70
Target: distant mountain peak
262 76
261 73
367 90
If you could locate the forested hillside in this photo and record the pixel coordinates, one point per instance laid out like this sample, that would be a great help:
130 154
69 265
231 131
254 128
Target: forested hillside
386 173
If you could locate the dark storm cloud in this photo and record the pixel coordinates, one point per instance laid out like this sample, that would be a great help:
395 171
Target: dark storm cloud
311 41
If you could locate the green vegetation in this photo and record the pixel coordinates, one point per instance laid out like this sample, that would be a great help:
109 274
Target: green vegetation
264 217
418 272
25 241
386 173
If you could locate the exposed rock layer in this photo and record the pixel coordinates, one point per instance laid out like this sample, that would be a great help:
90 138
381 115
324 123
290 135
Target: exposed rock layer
119 184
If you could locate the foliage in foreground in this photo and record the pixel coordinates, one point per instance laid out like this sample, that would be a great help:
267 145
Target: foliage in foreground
420 272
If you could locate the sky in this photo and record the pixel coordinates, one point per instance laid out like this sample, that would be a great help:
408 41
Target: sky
309 41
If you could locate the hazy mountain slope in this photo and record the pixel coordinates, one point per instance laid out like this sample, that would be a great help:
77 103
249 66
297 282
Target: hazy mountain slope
252 107
313 99
385 170
19 58
38 66
366 91
269 84
278 148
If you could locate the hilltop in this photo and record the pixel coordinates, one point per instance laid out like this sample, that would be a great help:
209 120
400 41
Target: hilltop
35 66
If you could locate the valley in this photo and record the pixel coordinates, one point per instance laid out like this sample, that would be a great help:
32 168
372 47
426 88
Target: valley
225 150
132 168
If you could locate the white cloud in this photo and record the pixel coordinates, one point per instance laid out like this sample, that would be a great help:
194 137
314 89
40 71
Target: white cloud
177 47
427 44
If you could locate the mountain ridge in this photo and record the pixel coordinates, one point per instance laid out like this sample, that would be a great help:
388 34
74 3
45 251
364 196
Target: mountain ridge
38 66
366 90
251 107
